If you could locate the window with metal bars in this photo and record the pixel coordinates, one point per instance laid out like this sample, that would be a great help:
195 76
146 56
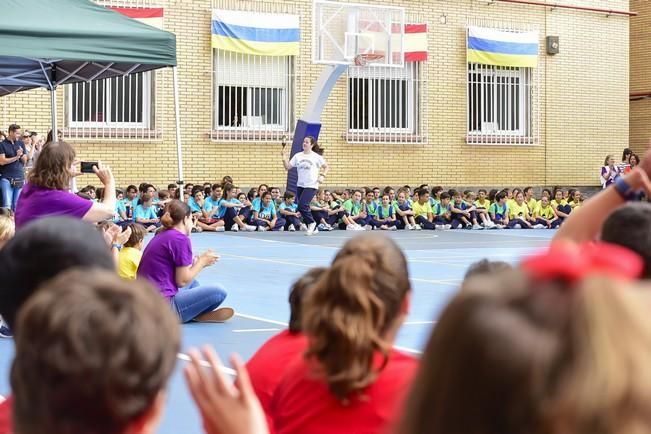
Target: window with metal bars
384 103
253 96
115 102
500 104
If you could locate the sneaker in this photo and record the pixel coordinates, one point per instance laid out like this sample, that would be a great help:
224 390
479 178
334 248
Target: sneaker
409 227
477 227
499 226
220 229
447 227
321 227
310 228
359 227
281 229
221 314
249 228
393 228
303 227
292 228
517 226
235 228
438 227
328 227
539 226
314 232
417 227
262 229
351 227
368 228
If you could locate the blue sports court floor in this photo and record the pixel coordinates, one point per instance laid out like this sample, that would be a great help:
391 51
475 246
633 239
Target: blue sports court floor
258 269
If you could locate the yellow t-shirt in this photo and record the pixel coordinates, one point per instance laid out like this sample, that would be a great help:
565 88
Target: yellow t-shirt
128 262
421 209
546 212
485 205
532 205
518 211
556 204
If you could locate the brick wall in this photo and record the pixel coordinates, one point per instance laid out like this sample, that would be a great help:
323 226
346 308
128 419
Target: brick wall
583 104
640 128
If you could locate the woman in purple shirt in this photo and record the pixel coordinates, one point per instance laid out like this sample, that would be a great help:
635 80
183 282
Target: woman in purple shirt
46 192
167 262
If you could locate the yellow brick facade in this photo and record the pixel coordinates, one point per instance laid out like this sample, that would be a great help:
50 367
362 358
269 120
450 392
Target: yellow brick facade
640 126
584 107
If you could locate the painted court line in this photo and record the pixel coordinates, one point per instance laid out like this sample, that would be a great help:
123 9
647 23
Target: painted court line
271 321
257 318
204 363
255 330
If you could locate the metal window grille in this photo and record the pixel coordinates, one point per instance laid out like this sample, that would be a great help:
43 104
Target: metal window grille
503 103
115 108
253 96
386 105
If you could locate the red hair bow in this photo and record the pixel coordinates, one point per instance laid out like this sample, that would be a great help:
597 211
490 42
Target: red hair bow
573 262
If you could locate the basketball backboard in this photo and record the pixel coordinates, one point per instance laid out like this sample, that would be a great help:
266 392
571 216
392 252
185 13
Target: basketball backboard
357 34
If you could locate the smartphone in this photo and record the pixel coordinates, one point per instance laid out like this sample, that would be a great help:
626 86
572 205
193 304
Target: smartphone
87 166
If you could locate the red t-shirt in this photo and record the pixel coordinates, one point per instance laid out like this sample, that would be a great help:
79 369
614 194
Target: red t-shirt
303 404
267 366
6 427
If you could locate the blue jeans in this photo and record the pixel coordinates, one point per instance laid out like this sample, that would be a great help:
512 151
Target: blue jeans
194 299
9 194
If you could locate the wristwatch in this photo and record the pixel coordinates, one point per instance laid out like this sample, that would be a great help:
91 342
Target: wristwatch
624 189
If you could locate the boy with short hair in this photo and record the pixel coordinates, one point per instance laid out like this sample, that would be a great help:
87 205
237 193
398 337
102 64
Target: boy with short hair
423 210
443 212
116 380
289 211
499 211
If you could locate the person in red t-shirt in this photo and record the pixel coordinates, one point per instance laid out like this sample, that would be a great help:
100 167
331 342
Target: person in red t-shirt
561 345
267 365
350 380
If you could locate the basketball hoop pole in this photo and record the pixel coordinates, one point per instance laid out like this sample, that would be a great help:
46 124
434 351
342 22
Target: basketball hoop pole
338 58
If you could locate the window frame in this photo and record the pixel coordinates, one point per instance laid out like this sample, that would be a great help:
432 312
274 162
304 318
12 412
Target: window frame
148 91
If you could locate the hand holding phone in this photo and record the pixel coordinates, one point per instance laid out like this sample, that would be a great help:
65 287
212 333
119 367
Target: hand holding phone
87 166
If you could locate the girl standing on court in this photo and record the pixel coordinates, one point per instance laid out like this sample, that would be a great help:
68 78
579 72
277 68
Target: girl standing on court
312 170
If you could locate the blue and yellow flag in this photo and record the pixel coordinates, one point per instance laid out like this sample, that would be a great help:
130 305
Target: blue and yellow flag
256 33
500 48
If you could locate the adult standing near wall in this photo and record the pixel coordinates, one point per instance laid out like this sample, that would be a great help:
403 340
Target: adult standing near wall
312 170
626 155
46 192
609 172
13 157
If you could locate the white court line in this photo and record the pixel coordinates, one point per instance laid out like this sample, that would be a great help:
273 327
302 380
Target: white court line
298 264
255 330
271 321
257 318
224 369
418 322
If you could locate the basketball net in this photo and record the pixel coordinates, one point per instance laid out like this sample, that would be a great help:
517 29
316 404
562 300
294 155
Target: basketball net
364 59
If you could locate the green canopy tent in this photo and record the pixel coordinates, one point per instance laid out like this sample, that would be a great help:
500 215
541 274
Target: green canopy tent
78 40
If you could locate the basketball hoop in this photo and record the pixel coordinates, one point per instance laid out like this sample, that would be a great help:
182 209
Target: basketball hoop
364 59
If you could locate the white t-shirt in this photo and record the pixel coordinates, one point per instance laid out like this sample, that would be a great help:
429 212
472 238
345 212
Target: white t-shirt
308 167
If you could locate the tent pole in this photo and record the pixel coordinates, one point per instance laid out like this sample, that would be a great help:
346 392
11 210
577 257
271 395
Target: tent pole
53 108
177 114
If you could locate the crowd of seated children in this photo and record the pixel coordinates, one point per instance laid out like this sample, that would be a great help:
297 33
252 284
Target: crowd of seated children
223 207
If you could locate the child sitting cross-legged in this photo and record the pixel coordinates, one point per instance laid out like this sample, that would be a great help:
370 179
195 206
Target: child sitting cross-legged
146 215
405 214
482 204
443 212
545 215
499 211
319 209
423 210
353 208
289 211
386 215
463 214
205 221
264 215
232 210
519 213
